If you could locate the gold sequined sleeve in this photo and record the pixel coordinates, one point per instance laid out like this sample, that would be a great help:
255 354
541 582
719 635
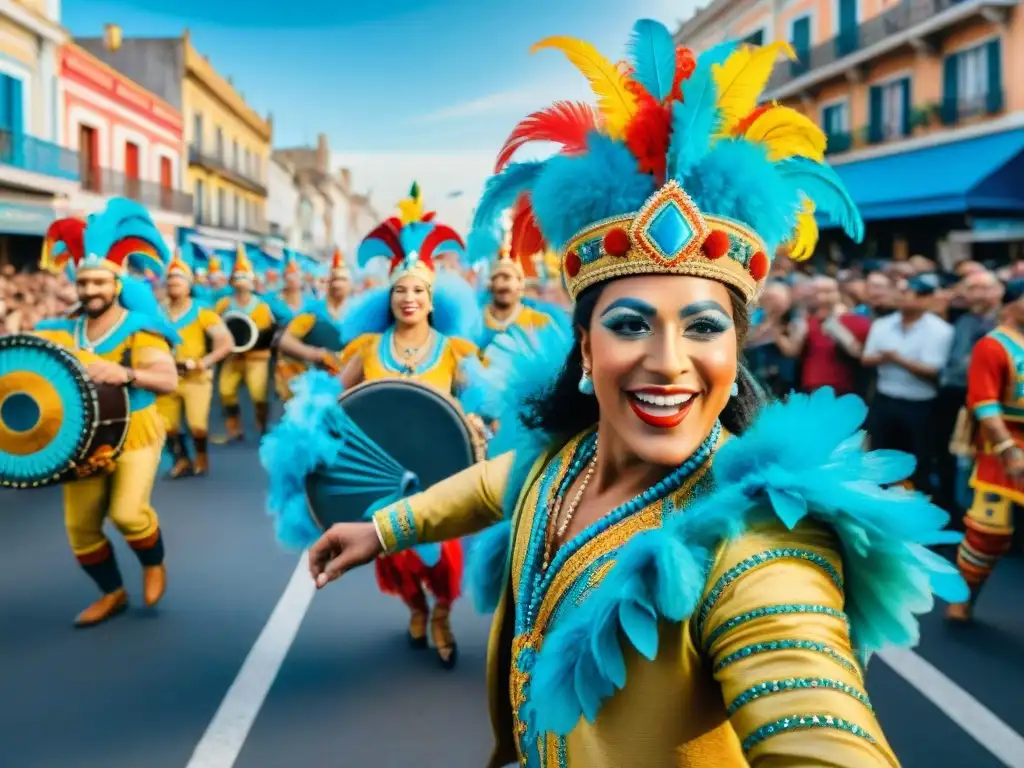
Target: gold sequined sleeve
771 625
463 504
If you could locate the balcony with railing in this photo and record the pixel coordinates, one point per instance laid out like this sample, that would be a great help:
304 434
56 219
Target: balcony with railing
27 153
217 161
104 181
257 226
908 24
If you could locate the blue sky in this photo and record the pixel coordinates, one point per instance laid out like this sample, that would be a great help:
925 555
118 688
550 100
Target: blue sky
402 88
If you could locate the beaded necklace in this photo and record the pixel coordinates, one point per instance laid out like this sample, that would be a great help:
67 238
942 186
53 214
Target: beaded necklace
536 581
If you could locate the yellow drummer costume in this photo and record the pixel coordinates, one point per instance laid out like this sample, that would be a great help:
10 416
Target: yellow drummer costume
328 310
188 409
123 233
722 617
251 368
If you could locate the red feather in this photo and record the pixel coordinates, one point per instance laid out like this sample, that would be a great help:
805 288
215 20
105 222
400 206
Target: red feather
744 125
647 137
428 216
123 248
387 232
439 234
564 122
526 236
71 232
686 63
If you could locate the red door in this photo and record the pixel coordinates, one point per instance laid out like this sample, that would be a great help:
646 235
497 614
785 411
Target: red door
166 182
131 169
89 157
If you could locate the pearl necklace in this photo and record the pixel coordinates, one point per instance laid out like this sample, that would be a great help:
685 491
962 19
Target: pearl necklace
556 509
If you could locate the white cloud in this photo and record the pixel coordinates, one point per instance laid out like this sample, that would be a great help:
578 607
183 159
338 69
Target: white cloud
451 182
519 99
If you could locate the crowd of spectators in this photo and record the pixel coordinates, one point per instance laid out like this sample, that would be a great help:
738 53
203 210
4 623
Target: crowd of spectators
28 297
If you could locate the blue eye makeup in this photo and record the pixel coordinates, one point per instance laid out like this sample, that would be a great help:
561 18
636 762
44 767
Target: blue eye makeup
626 323
632 318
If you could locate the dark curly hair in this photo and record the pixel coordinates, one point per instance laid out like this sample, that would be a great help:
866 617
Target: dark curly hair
563 411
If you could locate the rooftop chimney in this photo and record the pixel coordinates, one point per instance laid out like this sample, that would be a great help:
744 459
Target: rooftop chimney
112 37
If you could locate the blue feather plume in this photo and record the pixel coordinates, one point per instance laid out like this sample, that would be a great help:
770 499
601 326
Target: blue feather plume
500 194
126 218
653 54
137 297
694 121
456 311
762 477
371 248
826 190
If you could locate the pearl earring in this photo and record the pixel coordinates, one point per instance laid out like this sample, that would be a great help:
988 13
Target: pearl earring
586 385
735 389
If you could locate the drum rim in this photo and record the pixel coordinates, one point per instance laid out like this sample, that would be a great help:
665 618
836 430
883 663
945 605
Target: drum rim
234 313
86 388
477 443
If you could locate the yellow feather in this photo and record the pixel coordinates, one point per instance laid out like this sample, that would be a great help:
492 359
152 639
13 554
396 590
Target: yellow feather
742 77
614 101
805 236
410 210
787 133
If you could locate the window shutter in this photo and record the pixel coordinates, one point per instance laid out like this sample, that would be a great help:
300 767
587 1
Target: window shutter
994 94
905 125
16 102
949 107
5 102
875 114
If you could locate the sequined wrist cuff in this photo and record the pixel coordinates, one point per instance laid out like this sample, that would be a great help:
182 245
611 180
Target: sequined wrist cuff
396 527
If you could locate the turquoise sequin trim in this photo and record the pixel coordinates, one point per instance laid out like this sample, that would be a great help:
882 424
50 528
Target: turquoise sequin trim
771 610
755 561
803 723
987 410
787 645
403 526
770 687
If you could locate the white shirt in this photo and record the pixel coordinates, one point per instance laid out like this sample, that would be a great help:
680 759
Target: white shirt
926 342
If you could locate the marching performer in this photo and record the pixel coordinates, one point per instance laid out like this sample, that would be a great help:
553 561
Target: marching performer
416 327
195 325
297 348
251 368
506 307
217 282
996 400
681 574
119 322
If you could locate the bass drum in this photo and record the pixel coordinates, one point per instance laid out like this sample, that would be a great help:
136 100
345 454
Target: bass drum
325 335
55 424
246 335
402 437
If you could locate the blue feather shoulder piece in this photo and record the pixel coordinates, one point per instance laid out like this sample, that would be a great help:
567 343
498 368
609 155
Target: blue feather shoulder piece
767 474
521 366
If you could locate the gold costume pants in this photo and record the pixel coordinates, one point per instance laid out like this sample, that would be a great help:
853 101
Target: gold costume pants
123 496
254 371
193 398
988 536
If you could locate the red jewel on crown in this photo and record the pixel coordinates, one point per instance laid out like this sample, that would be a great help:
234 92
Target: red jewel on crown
616 242
716 244
758 266
572 264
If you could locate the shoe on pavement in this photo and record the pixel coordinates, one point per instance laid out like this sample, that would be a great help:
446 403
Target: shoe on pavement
107 607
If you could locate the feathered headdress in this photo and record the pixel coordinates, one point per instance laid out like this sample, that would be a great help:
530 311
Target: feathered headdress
410 240
339 269
122 236
181 264
242 269
214 267
291 264
677 170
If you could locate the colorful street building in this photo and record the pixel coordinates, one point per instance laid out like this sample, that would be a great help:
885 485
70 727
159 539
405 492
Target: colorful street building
130 142
36 173
924 117
228 141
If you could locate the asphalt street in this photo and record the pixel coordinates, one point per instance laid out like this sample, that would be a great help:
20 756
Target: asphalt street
141 691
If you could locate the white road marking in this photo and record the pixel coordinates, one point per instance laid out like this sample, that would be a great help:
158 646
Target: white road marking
958 705
225 736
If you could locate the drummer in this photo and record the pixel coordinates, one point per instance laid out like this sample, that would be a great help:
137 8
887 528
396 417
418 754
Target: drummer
328 311
397 338
194 324
251 368
135 352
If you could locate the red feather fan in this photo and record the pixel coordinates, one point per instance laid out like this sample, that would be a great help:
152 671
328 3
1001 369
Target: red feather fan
526 238
125 247
439 234
564 122
387 231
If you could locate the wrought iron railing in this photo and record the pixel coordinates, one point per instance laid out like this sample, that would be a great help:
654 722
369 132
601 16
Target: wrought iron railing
217 161
31 154
234 223
104 181
906 15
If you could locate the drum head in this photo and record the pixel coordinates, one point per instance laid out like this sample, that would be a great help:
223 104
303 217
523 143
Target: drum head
421 429
242 329
47 410
325 335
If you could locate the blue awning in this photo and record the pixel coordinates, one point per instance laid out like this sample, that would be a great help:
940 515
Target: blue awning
977 174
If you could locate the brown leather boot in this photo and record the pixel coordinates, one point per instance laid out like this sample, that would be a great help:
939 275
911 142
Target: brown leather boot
182 465
960 613
418 629
442 637
107 607
154 583
202 462
262 411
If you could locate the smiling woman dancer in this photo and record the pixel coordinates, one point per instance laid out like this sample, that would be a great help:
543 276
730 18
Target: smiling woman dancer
681 580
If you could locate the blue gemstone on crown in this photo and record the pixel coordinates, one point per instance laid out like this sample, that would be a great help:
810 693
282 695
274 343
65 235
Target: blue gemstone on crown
590 251
669 230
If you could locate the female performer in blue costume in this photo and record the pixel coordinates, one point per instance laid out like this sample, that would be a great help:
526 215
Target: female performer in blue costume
682 576
417 327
